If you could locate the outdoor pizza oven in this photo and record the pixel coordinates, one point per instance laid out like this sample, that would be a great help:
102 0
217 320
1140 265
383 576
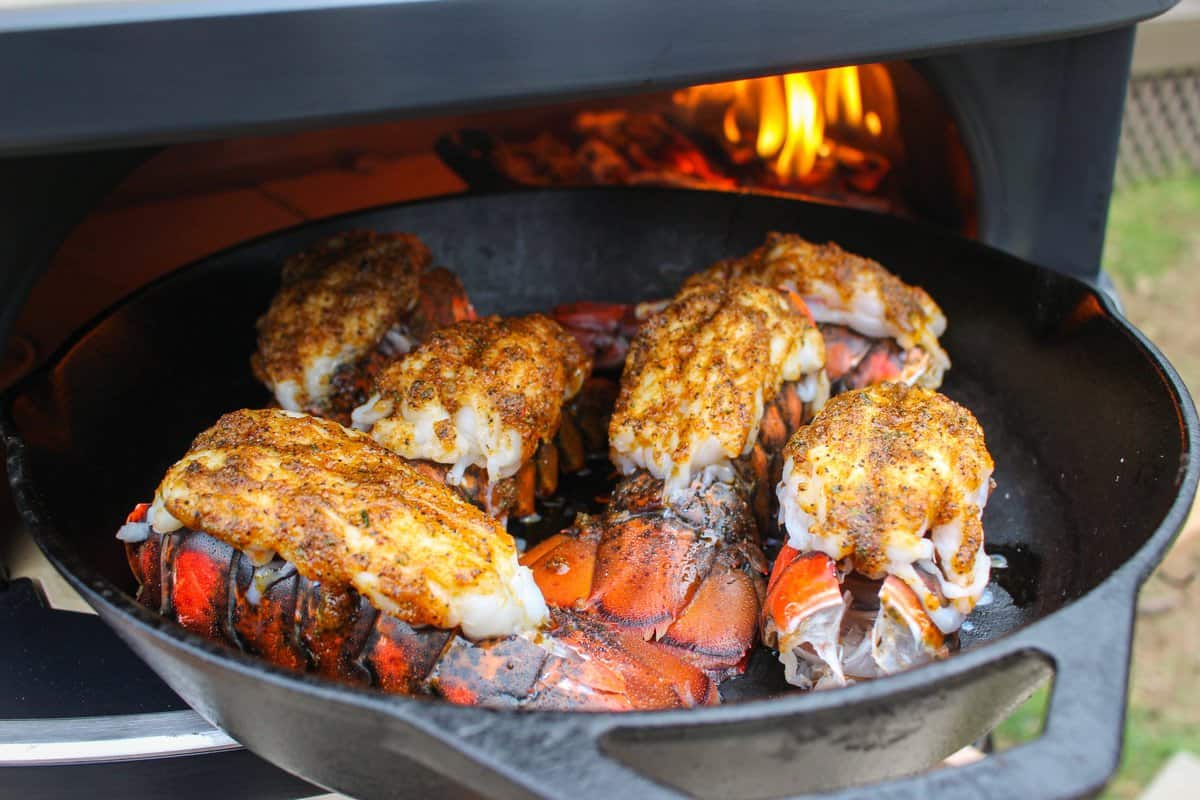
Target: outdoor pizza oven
138 137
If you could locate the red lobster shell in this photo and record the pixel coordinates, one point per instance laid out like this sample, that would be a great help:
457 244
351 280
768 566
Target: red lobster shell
214 590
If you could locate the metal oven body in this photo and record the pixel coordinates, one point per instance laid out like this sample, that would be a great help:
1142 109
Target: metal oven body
93 91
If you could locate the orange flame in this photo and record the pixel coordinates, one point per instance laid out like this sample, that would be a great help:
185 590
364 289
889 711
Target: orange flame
788 120
844 100
805 129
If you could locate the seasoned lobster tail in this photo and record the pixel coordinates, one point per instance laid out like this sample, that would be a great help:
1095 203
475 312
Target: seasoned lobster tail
882 499
876 327
482 405
714 384
271 611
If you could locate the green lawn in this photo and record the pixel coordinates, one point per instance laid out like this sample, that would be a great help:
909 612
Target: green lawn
1025 723
1151 227
1150 739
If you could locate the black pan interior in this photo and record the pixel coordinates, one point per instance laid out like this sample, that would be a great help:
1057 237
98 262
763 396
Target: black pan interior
1087 448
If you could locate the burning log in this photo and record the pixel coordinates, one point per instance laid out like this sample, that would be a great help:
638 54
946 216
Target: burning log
827 135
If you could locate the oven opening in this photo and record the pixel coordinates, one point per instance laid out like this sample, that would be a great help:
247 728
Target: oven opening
874 136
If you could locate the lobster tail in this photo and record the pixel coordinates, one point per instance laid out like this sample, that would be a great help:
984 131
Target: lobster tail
216 591
882 500
589 666
687 573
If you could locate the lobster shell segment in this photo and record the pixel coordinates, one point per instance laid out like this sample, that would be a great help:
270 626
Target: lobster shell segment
686 574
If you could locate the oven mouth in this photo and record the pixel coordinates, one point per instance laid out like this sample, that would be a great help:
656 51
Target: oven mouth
1121 581
922 165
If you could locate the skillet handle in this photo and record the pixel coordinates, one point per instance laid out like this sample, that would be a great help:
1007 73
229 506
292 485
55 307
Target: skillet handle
1080 745
1089 643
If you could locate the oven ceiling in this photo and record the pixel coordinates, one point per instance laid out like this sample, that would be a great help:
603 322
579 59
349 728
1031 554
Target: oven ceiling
87 75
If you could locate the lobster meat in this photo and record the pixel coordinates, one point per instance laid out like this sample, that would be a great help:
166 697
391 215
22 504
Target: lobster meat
346 307
480 405
876 327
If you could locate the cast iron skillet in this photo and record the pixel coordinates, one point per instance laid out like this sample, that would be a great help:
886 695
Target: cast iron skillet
1093 433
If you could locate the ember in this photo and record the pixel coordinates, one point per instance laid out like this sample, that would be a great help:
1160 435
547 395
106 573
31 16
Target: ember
829 134
803 129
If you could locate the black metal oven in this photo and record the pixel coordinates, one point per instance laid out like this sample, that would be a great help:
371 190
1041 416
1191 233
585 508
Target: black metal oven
95 91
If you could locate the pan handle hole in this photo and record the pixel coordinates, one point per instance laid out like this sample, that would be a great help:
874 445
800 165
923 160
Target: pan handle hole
1024 724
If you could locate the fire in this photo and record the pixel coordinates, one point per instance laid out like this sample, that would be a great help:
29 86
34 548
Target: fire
801 124
805 129
844 99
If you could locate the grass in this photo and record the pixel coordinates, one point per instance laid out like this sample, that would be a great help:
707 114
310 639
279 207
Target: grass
1150 739
1151 227
1024 724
